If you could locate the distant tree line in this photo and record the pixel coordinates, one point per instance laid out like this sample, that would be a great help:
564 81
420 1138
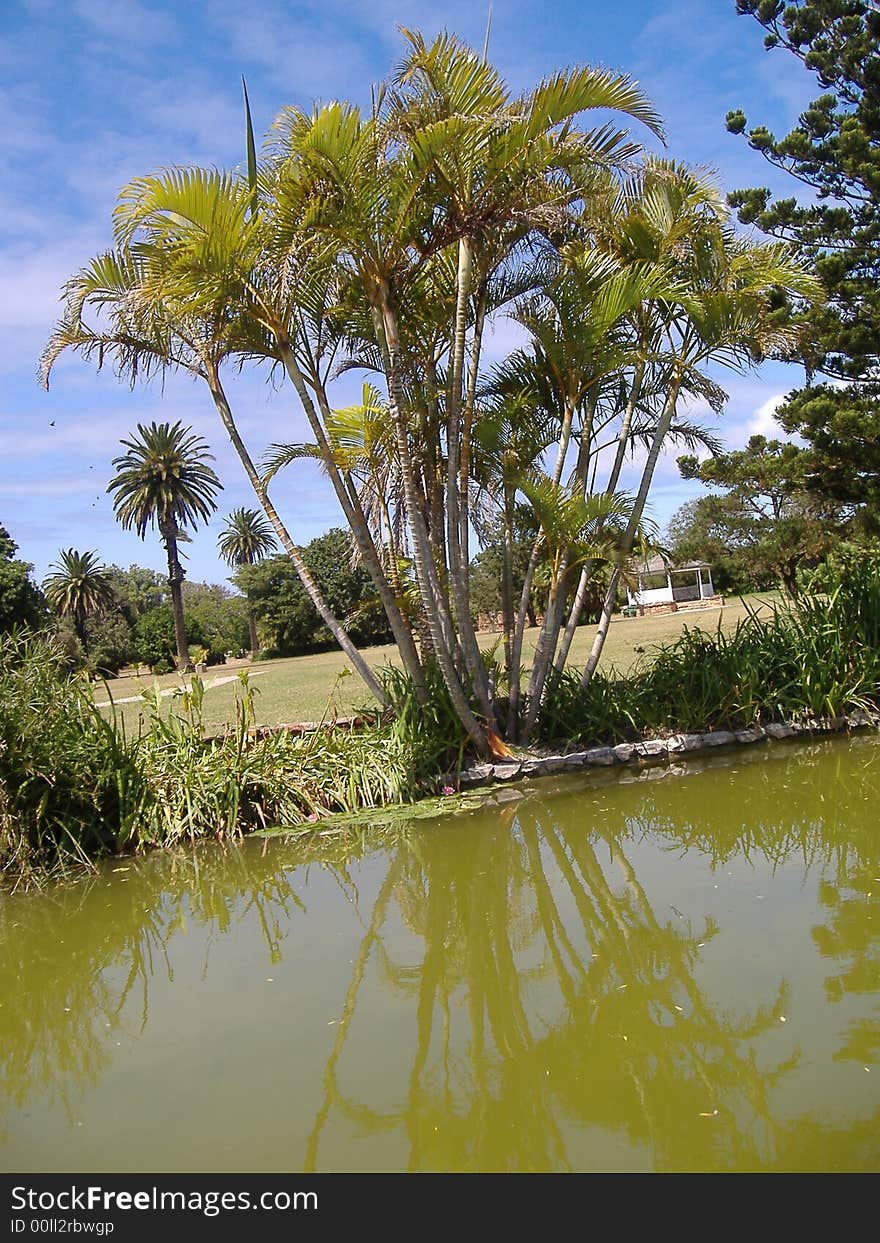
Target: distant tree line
107 617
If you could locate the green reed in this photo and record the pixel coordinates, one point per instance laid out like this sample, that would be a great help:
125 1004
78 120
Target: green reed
818 657
69 782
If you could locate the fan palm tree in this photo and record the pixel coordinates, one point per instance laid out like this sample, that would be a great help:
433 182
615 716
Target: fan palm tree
164 481
246 539
79 587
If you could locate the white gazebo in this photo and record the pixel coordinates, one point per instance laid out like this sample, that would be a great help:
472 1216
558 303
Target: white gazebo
658 582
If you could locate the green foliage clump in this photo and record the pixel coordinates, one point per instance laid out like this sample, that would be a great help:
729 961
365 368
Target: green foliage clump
224 787
21 602
73 788
154 638
834 150
220 617
68 781
603 712
765 523
432 730
841 429
287 618
814 658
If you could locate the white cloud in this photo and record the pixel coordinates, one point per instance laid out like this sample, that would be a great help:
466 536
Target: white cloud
763 422
126 21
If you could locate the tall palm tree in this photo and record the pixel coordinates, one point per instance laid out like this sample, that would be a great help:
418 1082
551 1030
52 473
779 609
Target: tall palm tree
393 237
246 539
448 165
578 343
164 481
79 587
726 318
146 330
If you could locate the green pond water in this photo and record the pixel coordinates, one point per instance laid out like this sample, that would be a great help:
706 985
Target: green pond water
675 969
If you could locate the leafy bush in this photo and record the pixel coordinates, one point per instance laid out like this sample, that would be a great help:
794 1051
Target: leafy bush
817 657
223 787
69 787
602 713
432 730
155 642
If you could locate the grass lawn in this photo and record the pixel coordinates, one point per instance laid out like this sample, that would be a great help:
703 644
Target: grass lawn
309 688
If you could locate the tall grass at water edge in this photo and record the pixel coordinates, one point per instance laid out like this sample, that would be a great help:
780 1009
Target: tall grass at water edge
815 658
69 787
73 786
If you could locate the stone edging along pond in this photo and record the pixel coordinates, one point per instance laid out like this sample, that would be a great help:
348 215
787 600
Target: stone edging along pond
653 750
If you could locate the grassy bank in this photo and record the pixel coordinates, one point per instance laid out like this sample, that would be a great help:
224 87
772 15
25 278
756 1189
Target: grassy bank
814 661
308 688
74 784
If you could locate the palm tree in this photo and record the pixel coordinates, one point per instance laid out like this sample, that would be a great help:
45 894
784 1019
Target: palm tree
450 165
246 539
148 331
164 481
578 344
725 317
79 587
386 240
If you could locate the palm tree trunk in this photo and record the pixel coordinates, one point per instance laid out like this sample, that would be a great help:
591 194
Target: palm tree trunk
354 515
632 526
515 673
79 626
433 601
468 423
339 633
584 580
464 471
544 649
252 631
175 579
507 580
457 499
436 509
549 636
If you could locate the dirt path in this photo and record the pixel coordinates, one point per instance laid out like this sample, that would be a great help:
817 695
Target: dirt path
175 690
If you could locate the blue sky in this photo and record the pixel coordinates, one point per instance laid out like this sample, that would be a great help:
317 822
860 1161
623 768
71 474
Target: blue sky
96 92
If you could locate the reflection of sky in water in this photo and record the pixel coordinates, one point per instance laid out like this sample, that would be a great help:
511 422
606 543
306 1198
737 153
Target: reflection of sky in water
577 974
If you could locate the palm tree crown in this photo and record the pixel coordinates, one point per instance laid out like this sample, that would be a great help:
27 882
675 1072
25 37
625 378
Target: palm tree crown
79 587
164 478
246 538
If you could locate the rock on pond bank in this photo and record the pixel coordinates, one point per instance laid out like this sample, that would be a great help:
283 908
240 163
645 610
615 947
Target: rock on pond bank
654 750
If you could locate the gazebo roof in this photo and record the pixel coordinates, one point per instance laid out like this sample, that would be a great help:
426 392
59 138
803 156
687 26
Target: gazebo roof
662 565
656 565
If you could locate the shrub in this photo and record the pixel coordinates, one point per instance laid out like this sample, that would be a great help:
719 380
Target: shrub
69 787
224 787
815 657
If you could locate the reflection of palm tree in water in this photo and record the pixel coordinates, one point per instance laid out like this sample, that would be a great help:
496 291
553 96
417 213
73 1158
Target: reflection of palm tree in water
556 1003
68 994
850 940
551 1002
